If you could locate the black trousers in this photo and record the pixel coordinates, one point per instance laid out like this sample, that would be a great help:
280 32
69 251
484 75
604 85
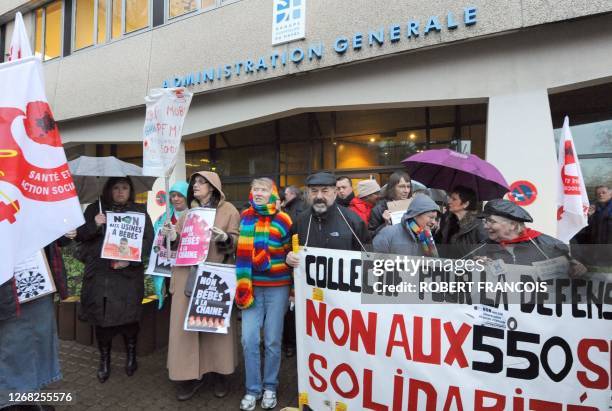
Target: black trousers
105 335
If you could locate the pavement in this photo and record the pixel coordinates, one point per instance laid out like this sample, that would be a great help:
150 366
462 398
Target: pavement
149 388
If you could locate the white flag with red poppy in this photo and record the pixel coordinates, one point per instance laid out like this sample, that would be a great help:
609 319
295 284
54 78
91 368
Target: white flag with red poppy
38 200
572 199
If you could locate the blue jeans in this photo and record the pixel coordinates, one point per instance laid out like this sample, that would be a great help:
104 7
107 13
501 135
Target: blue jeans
268 311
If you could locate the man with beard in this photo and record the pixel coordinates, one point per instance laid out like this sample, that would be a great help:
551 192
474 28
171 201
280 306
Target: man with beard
326 224
344 190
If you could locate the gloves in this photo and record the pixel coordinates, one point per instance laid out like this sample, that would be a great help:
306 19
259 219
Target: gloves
218 235
168 230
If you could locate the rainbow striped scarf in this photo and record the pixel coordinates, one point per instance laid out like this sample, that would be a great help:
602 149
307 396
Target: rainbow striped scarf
262 248
424 237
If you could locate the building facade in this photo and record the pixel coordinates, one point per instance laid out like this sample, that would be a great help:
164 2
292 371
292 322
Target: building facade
352 87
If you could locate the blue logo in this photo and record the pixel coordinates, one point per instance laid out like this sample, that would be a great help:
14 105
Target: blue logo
288 10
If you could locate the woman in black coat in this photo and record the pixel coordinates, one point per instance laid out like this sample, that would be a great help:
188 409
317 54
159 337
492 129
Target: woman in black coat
461 232
112 291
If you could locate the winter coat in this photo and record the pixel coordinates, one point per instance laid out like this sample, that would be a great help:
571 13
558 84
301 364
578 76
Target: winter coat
193 354
526 252
376 222
330 230
345 202
397 239
361 208
110 297
294 208
470 234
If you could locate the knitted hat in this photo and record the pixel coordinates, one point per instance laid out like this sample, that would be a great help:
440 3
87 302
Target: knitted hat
367 187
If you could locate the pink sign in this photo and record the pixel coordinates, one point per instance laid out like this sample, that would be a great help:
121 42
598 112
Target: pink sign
195 237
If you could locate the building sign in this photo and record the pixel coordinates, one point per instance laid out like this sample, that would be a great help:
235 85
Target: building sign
378 38
288 21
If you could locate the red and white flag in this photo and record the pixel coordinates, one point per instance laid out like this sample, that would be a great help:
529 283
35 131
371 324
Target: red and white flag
20 44
572 200
38 200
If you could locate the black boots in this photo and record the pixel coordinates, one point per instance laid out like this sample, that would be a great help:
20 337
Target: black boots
130 364
105 358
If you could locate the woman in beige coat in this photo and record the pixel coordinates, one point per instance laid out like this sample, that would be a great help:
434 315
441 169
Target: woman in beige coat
193 354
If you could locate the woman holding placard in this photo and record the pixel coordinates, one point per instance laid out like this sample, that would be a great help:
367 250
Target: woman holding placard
112 292
262 291
193 354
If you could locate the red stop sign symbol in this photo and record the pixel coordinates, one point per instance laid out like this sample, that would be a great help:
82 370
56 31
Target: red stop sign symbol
522 192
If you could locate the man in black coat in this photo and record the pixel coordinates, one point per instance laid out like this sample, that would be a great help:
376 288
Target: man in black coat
326 224
293 203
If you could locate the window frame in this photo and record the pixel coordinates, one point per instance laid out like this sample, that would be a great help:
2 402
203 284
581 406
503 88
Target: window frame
108 36
43 29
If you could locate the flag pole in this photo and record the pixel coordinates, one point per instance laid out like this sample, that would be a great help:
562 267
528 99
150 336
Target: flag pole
167 188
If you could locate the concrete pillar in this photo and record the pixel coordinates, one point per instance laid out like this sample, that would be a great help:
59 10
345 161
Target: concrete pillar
520 143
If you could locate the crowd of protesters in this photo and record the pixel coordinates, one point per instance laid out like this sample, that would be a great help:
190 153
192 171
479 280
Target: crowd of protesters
328 214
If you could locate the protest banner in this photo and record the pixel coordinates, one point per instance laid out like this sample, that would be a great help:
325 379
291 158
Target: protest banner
195 236
537 355
38 199
159 261
33 278
123 237
163 129
210 304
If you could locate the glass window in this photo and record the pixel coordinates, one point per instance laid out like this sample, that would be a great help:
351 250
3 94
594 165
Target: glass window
53 30
596 171
590 138
102 7
206 4
294 157
84 23
136 15
39 29
48 39
246 161
117 13
179 7
441 115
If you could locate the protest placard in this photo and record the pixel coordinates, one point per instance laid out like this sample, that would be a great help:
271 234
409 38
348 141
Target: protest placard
159 261
536 355
163 129
123 238
398 209
33 278
195 236
210 304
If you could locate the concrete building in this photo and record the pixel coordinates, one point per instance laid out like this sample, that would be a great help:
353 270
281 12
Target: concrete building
365 85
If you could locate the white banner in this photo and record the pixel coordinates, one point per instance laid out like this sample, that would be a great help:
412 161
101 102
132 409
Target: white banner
163 129
212 299
123 238
38 200
391 356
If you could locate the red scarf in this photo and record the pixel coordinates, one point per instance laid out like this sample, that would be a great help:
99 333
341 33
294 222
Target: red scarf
527 235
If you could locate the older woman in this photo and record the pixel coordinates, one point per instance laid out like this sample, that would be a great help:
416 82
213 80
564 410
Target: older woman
463 232
193 354
398 188
263 287
514 243
112 292
413 235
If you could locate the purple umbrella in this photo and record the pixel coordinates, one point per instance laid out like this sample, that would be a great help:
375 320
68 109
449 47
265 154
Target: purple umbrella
446 169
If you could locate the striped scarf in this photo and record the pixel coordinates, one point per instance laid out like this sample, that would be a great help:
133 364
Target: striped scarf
424 237
262 248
